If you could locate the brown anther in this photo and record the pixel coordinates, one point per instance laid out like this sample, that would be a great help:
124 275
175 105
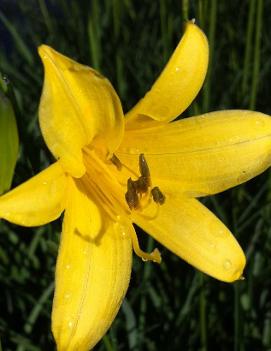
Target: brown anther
142 184
158 196
143 166
131 195
116 162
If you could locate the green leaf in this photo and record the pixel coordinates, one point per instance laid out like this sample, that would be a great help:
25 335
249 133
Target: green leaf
9 143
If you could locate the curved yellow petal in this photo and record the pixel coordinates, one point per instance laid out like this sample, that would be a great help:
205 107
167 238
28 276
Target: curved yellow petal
78 107
203 155
39 200
179 82
92 275
191 231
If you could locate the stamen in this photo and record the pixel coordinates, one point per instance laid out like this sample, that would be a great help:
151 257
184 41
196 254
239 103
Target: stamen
143 166
154 256
116 162
142 184
131 195
138 190
158 196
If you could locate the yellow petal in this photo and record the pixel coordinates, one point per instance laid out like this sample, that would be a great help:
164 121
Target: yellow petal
179 82
39 200
191 231
92 276
203 155
77 106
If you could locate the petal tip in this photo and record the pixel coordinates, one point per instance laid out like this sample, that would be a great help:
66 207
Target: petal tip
234 271
44 51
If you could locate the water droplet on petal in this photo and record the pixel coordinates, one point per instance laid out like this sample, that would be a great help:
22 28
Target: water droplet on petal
260 123
68 266
133 151
67 295
120 228
213 246
227 264
219 233
44 183
177 69
70 323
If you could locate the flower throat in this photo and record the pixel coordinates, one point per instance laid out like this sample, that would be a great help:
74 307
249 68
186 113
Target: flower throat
136 189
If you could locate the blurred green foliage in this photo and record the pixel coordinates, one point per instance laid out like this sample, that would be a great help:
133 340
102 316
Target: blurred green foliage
171 306
9 141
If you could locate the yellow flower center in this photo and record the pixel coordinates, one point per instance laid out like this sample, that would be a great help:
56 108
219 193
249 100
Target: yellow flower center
116 200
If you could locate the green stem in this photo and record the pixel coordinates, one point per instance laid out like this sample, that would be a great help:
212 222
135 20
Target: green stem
256 63
94 35
202 314
211 37
164 28
46 16
248 51
236 318
185 9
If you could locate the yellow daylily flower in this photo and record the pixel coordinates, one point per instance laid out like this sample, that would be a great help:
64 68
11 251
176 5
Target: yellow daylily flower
113 171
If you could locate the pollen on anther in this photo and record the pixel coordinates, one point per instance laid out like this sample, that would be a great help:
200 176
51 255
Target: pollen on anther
158 196
114 159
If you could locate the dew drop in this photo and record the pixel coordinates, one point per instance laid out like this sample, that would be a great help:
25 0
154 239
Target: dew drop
133 150
68 266
70 323
119 228
177 69
213 246
227 264
219 233
67 296
44 183
260 123
122 230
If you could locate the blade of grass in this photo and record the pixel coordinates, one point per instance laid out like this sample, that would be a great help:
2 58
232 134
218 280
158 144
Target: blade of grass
34 314
185 9
22 48
257 55
202 314
237 321
107 344
131 327
46 17
93 28
211 38
163 21
248 48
